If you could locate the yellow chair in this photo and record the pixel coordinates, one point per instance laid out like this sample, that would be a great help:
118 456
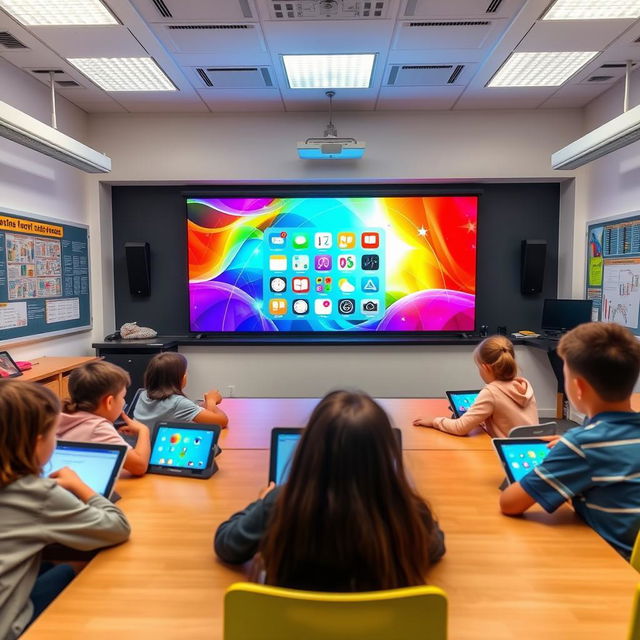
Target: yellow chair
634 631
635 554
258 612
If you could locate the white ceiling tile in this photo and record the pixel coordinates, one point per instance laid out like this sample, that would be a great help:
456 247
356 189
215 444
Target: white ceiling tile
417 98
196 10
460 9
211 38
244 100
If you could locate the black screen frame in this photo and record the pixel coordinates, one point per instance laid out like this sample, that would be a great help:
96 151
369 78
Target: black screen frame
568 302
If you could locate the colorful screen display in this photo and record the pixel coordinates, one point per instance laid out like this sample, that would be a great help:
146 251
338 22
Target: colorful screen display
286 445
340 264
462 402
522 458
174 447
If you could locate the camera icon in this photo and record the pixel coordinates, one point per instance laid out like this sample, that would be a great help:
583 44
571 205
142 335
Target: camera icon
346 306
370 307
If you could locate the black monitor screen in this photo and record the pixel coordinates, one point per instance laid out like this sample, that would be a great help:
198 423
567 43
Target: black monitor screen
562 315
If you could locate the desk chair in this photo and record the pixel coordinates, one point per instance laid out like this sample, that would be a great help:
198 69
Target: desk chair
259 612
635 554
534 430
634 628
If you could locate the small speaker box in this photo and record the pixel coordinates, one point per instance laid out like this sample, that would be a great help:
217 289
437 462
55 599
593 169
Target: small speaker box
138 268
534 256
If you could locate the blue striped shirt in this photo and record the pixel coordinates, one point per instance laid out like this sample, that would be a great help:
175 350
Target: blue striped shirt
597 467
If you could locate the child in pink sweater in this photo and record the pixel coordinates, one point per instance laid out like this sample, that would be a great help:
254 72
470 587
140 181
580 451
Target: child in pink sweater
507 401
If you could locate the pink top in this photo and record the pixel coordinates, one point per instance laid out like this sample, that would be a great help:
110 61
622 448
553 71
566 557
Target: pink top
83 426
499 407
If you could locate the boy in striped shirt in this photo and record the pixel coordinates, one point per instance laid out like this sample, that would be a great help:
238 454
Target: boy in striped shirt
596 465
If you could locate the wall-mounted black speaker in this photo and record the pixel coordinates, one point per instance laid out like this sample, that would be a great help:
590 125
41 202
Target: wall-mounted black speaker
138 268
534 256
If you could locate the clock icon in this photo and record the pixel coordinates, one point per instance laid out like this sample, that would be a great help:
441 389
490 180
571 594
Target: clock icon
278 285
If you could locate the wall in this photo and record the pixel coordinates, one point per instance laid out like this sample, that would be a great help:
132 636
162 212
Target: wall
31 182
402 147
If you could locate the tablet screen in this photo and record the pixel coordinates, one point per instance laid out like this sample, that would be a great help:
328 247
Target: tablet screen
96 467
523 457
177 447
285 446
460 402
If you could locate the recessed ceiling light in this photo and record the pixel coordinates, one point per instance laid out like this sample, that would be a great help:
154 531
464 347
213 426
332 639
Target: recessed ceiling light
124 74
58 12
593 10
540 68
340 71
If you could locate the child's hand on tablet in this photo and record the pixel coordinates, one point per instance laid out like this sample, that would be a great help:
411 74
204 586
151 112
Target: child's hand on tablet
132 427
267 490
423 422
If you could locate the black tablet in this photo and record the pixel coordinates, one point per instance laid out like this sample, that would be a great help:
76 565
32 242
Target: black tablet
184 449
460 401
519 456
8 368
284 441
97 464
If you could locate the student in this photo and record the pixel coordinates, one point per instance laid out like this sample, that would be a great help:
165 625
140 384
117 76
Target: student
163 399
507 401
347 518
97 391
37 511
596 465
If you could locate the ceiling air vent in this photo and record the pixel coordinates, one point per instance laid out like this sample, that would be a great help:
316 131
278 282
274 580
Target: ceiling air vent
452 23
8 41
162 8
456 72
423 75
613 65
67 84
494 5
191 27
600 78
235 77
47 71
204 76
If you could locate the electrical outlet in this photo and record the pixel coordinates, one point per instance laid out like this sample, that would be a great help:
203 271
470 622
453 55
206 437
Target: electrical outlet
231 390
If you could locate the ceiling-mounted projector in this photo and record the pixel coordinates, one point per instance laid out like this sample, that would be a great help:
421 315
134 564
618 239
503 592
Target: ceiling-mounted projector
330 145
30 132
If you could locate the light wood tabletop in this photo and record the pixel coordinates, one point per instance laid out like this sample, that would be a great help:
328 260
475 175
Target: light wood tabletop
539 576
251 421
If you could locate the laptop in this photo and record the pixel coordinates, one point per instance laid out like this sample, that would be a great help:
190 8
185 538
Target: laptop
184 449
559 316
97 464
284 441
460 401
519 456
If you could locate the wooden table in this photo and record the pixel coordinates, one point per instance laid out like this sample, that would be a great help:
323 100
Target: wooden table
53 371
540 576
251 421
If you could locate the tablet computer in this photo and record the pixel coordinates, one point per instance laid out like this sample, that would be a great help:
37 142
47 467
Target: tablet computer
284 441
184 449
519 456
97 464
460 401
8 368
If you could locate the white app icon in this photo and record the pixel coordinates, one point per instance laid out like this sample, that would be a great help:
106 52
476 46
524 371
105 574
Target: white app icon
278 263
300 263
278 284
323 240
345 285
300 307
323 306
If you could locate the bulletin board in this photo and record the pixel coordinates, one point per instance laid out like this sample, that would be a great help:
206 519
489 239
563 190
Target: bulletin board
613 270
44 276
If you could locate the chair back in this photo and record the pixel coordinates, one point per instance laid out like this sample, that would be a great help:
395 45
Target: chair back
534 430
259 612
634 627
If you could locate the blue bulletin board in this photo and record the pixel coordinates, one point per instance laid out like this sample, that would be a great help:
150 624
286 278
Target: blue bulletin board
44 276
613 270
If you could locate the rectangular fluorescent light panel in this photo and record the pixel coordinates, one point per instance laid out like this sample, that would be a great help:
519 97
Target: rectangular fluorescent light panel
58 12
124 74
339 71
540 69
593 10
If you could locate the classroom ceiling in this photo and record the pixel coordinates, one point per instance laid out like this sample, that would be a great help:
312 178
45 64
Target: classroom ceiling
226 55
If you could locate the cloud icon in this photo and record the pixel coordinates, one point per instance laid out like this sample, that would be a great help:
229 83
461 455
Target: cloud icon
345 286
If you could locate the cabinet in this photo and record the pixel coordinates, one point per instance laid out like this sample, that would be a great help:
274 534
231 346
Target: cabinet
133 356
53 372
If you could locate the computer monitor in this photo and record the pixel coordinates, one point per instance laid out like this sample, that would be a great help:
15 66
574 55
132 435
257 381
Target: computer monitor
562 315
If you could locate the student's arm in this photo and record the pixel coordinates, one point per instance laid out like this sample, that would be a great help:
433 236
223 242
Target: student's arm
237 540
211 412
514 500
137 459
76 516
477 413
